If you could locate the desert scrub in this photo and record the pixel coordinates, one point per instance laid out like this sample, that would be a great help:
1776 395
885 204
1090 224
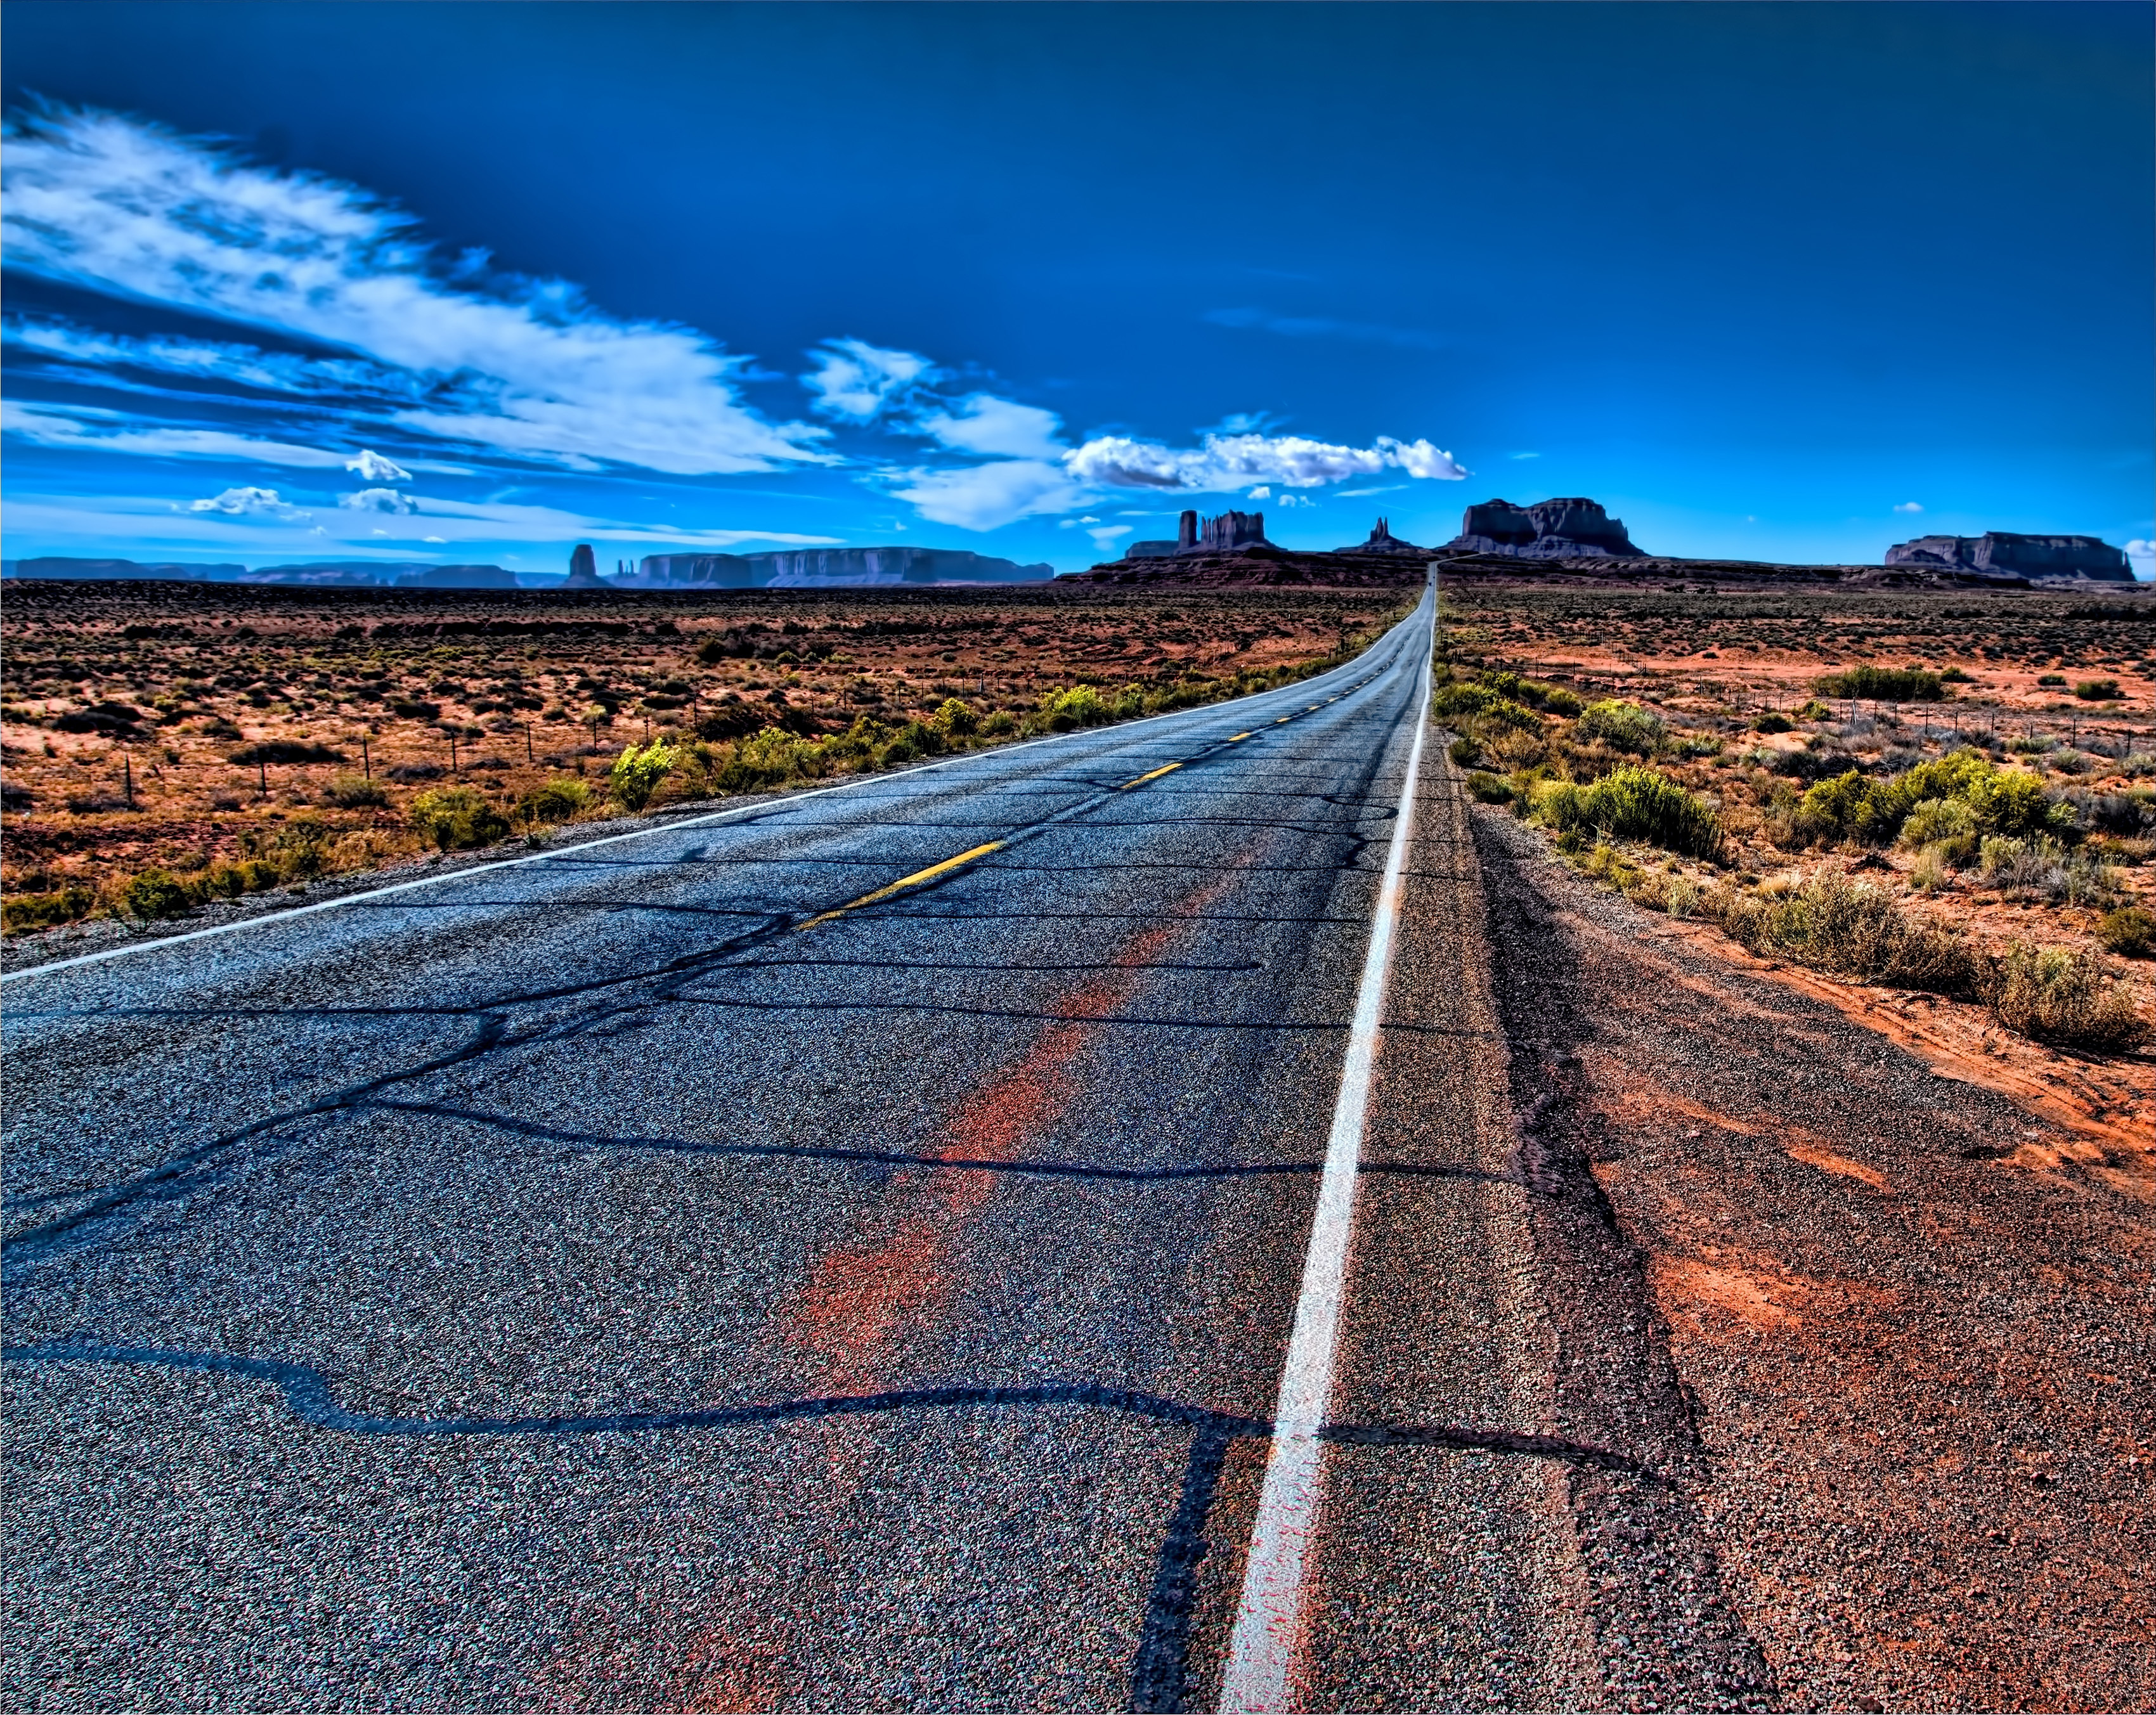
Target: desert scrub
1630 803
1832 924
2129 932
23 913
1897 685
1622 726
2009 802
354 792
636 772
2065 998
455 818
1485 788
558 800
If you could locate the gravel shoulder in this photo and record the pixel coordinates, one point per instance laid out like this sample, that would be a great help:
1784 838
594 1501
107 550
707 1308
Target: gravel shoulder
1886 1333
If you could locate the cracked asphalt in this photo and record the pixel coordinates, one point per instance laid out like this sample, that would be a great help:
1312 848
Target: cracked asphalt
663 1276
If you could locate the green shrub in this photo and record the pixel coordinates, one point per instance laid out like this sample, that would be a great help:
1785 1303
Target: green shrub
2097 690
1956 675
1814 710
999 725
1897 685
774 755
564 796
1620 724
23 913
1934 820
636 773
1066 711
2065 998
2052 681
2006 801
456 818
1557 701
354 792
155 894
1773 722
1488 788
1831 924
2130 930
956 718
1464 752
1632 803
1484 708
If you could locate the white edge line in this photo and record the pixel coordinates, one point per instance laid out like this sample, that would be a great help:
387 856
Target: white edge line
540 857
1269 1614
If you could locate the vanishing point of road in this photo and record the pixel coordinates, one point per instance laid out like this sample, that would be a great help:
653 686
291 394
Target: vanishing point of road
1038 1230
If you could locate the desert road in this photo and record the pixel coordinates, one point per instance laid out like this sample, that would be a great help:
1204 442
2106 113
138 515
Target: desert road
840 1253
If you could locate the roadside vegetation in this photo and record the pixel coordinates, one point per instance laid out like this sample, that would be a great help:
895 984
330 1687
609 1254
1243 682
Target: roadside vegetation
1993 861
161 755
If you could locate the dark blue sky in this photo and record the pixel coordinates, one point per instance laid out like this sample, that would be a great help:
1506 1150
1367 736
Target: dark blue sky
1753 276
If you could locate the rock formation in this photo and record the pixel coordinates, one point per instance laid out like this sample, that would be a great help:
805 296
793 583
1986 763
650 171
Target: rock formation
459 577
1383 541
1230 533
1553 529
585 570
809 568
2004 554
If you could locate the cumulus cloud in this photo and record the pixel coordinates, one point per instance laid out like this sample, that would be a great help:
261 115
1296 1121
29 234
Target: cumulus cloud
378 499
1908 507
370 466
250 503
1263 491
982 423
2141 556
857 382
117 206
1222 462
1286 501
984 497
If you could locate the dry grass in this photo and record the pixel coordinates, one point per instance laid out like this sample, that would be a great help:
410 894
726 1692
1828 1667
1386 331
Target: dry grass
242 737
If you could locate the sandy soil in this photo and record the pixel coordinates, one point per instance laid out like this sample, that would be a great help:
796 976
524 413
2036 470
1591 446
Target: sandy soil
1891 1328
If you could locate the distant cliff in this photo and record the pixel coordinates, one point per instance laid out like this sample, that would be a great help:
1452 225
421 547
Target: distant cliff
161 571
1553 529
809 568
2004 554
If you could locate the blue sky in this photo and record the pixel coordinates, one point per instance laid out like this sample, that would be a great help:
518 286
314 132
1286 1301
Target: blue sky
477 283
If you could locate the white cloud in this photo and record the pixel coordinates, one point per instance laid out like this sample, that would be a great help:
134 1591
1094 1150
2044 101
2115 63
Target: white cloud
50 427
378 499
1527 455
1261 492
370 466
250 503
1107 534
857 381
1908 507
982 423
983 496
2141 557
1222 462
1286 501
434 538
130 209
1382 488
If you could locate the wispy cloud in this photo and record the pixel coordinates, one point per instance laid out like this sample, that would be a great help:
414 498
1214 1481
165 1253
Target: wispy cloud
985 496
1323 327
51 428
378 499
982 423
113 204
857 382
1908 507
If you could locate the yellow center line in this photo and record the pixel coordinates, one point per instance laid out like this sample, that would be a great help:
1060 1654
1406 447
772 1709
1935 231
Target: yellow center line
1239 739
1142 779
904 882
1283 720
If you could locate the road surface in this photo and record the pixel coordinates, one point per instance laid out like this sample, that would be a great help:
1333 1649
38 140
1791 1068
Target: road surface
839 1254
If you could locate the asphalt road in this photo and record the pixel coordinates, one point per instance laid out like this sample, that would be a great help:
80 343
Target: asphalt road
693 1272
